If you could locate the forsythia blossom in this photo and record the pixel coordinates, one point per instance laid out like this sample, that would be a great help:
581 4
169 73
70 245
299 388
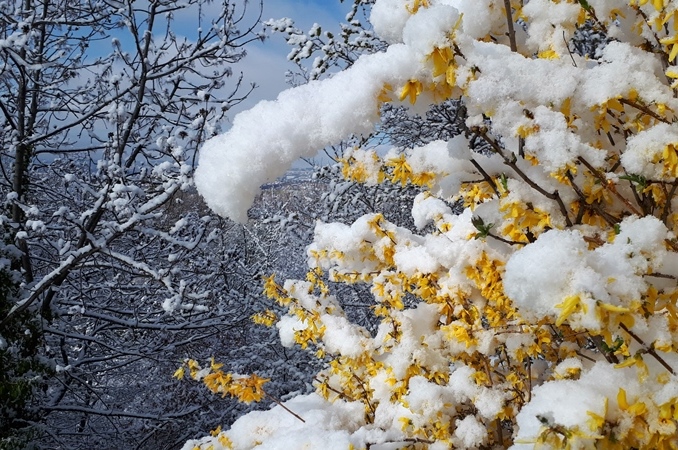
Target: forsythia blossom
545 314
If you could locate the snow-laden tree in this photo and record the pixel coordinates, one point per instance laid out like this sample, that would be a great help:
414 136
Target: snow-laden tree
545 313
107 280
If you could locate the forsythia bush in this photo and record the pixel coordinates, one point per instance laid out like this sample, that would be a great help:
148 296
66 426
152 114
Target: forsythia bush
545 314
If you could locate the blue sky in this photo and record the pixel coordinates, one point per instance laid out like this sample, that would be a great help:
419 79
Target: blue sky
266 62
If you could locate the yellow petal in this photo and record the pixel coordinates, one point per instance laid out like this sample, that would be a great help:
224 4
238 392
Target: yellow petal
614 308
628 362
411 89
621 399
441 58
179 374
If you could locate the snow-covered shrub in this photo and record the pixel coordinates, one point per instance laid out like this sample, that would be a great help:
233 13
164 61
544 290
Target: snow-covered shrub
545 312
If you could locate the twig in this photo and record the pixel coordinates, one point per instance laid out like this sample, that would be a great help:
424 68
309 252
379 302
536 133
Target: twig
486 176
648 349
511 30
488 372
362 385
418 441
595 240
609 186
585 357
610 357
661 275
500 433
512 164
667 206
529 379
609 218
279 403
339 393
574 63
506 241
644 109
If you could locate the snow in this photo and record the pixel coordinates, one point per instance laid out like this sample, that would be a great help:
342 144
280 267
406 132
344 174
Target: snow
389 17
548 21
567 402
611 273
265 141
325 425
644 149
469 432
506 299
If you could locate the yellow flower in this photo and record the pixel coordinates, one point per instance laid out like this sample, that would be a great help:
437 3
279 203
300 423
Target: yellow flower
406 422
524 131
193 367
459 333
218 382
272 289
225 441
548 54
416 5
179 374
214 366
451 75
441 59
613 308
672 72
596 421
670 159
568 306
385 93
411 90
673 43
637 408
402 172
267 318
249 389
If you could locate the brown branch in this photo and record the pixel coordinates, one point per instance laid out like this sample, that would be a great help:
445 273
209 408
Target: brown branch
643 109
512 164
362 385
595 240
500 433
418 441
488 372
529 379
574 63
661 275
585 357
609 186
610 357
506 241
279 403
486 176
339 393
667 206
609 218
648 349
511 30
